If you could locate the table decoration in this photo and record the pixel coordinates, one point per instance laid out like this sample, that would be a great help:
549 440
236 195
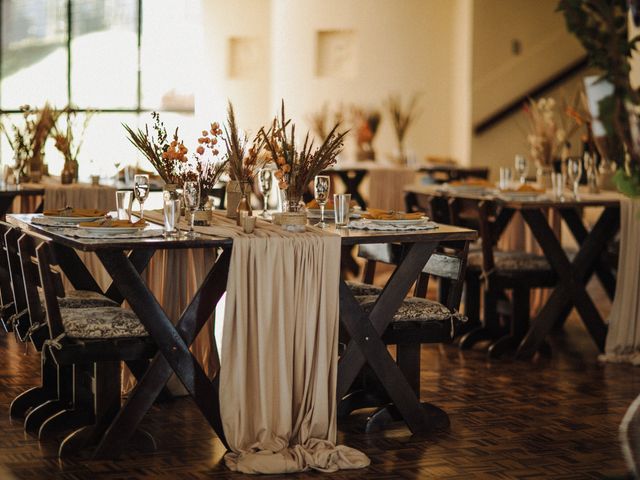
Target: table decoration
243 163
167 157
69 145
296 168
548 135
28 141
402 119
366 122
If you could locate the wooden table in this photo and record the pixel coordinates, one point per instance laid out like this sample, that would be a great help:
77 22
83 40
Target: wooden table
573 275
442 173
126 259
9 193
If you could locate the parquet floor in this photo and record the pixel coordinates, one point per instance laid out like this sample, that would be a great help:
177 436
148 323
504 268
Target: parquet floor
553 418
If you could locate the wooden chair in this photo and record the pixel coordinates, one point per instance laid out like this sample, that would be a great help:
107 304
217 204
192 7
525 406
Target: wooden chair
418 321
92 341
7 305
438 209
501 271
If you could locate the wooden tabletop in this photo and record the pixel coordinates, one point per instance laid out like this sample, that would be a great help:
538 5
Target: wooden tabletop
603 199
348 237
15 190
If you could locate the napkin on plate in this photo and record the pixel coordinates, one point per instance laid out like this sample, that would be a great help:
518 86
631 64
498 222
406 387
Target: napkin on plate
377 214
74 212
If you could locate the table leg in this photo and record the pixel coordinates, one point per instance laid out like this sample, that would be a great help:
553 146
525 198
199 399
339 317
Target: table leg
366 345
572 278
173 343
580 233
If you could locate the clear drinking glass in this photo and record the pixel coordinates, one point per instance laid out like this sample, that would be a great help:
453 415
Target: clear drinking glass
123 204
522 167
191 202
171 216
141 190
558 182
574 172
505 178
321 185
341 205
265 183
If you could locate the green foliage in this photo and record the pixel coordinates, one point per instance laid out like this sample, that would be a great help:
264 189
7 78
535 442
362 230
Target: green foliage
628 183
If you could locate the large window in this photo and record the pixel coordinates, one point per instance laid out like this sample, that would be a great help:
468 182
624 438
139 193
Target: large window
118 58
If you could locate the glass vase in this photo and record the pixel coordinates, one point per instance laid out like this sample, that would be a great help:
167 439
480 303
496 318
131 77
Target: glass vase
543 175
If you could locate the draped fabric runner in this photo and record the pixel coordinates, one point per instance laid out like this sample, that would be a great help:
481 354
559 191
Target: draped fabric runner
623 337
279 354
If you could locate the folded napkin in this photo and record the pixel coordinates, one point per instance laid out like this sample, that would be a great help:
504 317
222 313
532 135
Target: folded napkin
112 223
75 212
471 182
525 188
386 227
377 214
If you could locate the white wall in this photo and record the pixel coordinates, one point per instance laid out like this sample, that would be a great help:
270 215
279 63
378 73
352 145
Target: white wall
400 47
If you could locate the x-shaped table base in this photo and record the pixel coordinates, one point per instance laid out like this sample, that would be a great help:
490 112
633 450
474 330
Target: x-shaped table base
173 341
366 346
572 276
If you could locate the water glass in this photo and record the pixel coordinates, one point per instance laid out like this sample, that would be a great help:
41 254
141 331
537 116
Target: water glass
574 172
505 178
265 183
141 190
341 205
171 217
124 199
558 181
191 202
522 167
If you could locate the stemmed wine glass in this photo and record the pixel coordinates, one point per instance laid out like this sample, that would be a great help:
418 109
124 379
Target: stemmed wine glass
574 172
522 167
265 182
191 202
321 192
141 190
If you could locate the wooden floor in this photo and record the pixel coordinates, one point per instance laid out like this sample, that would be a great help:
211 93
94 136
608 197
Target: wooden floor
553 418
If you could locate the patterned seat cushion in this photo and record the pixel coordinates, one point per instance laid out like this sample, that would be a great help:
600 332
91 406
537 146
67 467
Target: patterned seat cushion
82 299
511 261
360 289
415 310
104 322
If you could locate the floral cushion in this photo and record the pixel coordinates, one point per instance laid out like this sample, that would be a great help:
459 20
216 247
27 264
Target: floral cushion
359 289
82 299
511 261
104 322
416 310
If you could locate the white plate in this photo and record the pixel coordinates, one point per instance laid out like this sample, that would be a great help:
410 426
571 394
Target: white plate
111 230
72 220
521 195
328 214
413 221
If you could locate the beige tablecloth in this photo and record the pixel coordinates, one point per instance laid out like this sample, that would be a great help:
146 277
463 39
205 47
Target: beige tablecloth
623 337
279 353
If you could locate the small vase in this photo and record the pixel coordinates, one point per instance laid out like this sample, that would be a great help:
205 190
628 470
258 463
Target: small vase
543 175
294 216
606 172
235 192
66 177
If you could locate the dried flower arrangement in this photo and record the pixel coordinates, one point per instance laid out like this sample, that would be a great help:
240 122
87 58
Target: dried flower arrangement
168 158
548 130
68 143
28 142
402 118
297 168
208 167
366 122
243 162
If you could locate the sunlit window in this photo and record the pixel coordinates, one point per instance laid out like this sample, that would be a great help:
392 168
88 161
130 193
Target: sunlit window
111 57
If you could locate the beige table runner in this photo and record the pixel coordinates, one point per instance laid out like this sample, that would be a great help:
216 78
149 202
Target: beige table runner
279 354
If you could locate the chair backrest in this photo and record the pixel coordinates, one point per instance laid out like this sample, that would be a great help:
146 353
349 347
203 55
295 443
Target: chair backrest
6 292
449 267
45 264
481 214
435 206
